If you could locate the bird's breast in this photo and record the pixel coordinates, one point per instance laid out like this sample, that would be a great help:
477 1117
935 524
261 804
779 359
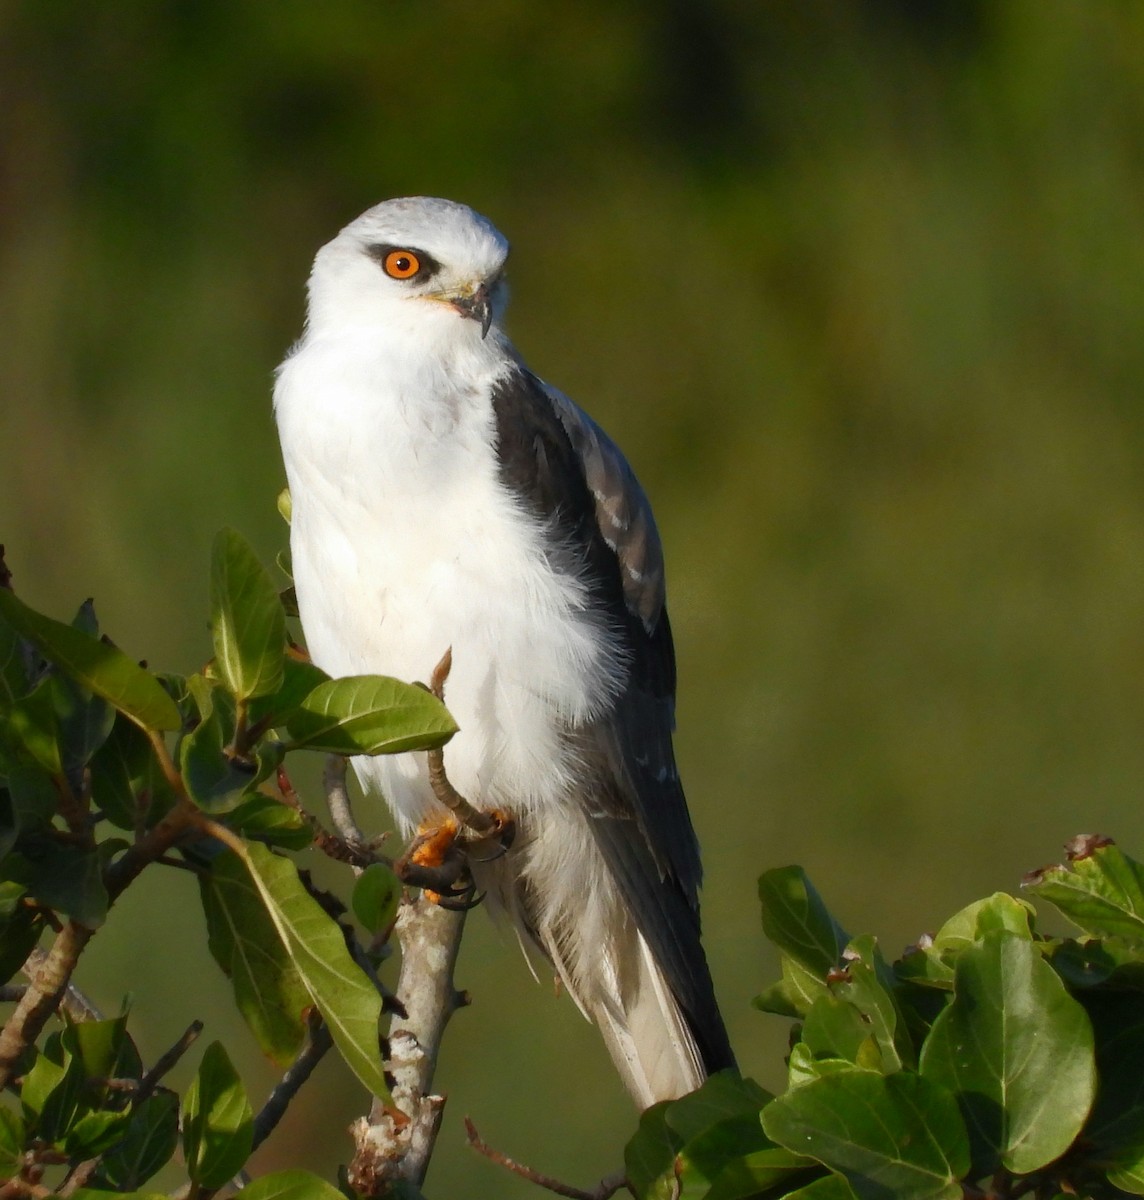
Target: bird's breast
406 543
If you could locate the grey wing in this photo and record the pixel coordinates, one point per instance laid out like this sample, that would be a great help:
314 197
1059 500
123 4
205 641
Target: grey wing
639 814
644 719
622 510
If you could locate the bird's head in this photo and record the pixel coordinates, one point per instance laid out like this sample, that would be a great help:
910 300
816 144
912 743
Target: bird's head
418 264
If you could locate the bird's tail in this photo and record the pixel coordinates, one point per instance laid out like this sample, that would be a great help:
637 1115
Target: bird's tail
645 1032
569 904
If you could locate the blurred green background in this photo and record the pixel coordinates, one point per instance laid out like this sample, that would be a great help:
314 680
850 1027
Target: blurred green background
857 285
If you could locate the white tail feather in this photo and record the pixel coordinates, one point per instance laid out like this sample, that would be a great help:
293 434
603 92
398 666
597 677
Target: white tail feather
646 1034
581 924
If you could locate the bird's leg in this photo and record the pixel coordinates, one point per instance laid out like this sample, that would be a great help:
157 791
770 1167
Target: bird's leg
436 859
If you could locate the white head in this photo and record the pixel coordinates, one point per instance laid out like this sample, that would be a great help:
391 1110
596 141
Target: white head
417 264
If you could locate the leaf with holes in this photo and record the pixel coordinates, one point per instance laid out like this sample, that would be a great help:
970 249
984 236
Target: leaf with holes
1102 892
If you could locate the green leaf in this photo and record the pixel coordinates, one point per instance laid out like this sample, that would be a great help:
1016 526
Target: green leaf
932 962
20 931
28 804
12 1135
290 1185
147 1145
270 821
793 995
1102 892
827 1187
370 714
889 1135
94 1132
127 784
803 1065
744 1178
343 994
1088 964
218 1123
649 1156
866 984
13 666
105 1049
51 1093
299 679
1017 1050
1128 1178
215 778
285 505
84 720
34 727
376 895
88 1193
248 622
714 1161
722 1096
65 877
797 921
700 1144
1116 1126
834 1028
100 668
244 941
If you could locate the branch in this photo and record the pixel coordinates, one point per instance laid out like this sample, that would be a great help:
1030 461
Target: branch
77 1006
338 799
73 1002
50 981
340 849
287 1088
41 998
603 1191
166 1061
396 1142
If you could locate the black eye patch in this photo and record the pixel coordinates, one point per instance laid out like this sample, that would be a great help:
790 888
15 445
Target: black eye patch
385 253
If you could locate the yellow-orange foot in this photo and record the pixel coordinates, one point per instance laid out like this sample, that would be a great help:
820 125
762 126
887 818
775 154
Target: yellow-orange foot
437 859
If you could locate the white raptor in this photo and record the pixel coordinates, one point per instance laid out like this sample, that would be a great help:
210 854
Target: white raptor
444 497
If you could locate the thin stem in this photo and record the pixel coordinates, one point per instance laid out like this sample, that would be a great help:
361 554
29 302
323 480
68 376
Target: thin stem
603 1191
166 1061
353 854
298 1072
166 763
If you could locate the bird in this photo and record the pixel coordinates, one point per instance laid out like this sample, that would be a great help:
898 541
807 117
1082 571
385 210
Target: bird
447 504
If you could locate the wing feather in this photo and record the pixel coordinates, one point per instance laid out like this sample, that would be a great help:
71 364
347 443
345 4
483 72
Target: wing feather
577 480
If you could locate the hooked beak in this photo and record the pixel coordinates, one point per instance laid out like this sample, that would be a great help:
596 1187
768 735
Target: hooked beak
478 307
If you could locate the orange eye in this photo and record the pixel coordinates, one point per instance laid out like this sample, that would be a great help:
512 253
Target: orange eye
401 264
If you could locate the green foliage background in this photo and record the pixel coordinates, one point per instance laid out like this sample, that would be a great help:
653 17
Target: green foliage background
856 285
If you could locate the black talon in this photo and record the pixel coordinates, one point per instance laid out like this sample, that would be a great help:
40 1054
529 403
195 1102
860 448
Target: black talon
457 905
499 850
